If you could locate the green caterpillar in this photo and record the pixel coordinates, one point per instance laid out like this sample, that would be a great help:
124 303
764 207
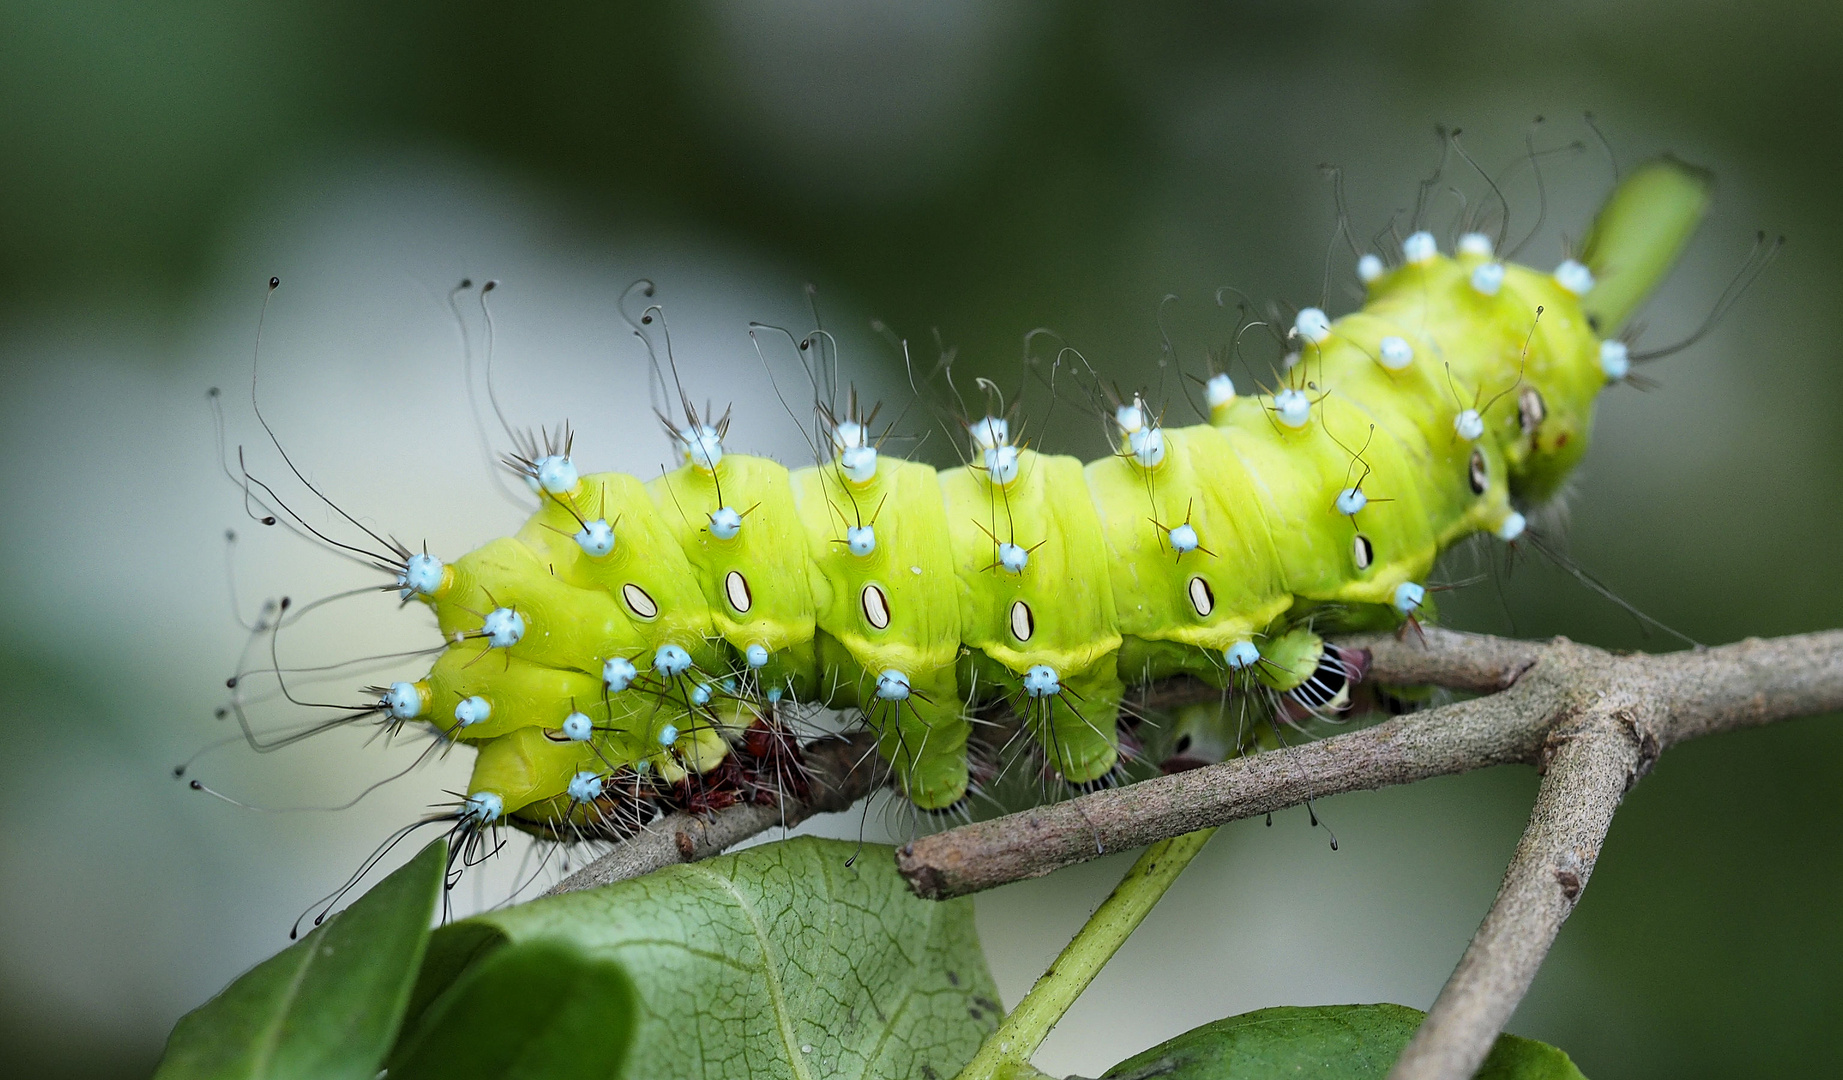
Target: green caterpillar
636 636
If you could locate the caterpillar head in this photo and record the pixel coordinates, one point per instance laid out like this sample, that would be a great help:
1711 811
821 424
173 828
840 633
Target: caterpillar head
1519 319
1635 239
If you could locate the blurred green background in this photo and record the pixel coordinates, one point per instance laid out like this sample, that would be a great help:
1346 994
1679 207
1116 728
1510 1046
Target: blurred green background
978 168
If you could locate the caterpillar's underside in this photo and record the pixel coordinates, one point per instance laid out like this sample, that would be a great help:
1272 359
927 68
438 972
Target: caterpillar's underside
636 636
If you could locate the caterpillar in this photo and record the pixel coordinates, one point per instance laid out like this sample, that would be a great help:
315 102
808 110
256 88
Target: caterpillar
637 643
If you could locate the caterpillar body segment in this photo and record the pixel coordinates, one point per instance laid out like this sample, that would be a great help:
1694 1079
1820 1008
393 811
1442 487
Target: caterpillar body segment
637 634
645 570
1053 614
516 688
889 615
522 766
757 579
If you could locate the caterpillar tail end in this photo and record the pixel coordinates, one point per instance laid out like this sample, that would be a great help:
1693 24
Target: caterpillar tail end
1637 236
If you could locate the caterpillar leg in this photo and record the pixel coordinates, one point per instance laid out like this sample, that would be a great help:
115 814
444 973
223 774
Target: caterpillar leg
1287 661
1202 734
1316 678
1312 678
921 733
1074 719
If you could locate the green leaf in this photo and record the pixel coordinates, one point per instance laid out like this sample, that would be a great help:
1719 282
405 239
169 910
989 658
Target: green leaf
537 1010
328 1006
1336 1042
451 951
792 959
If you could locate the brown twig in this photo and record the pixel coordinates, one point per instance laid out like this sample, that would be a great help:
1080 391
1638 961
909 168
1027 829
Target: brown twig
1685 695
1590 767
1591 757
1593 721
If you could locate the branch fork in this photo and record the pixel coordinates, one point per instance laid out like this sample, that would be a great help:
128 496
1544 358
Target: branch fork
1592 722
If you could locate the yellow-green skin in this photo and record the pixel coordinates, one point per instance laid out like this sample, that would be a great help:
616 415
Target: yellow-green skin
1107 600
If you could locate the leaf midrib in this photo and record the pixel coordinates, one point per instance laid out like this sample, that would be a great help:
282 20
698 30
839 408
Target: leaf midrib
271 1038
776 992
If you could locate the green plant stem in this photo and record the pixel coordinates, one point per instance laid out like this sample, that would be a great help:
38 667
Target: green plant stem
1006 1053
